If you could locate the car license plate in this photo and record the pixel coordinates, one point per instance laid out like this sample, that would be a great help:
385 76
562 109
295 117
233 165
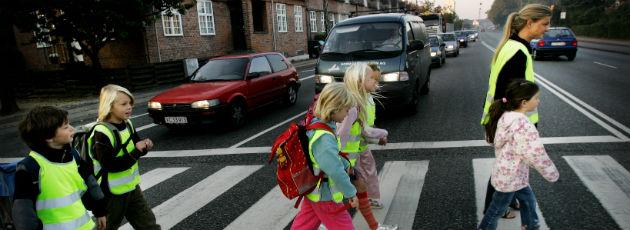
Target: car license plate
557 43
175 120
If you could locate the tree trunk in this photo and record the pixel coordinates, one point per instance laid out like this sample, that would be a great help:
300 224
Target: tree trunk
13 64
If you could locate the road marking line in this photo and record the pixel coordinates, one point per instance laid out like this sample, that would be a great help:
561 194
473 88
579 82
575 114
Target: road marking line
609 66
156 176
549 86
309 77
146 127
608 181
590 108
483 169
139 115
273 211
266 130
400 183
187 202
389 146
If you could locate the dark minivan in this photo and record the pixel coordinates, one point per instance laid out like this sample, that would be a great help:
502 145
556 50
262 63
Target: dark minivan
396 42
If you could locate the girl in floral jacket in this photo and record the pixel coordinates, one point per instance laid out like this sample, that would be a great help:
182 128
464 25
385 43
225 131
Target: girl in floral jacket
517 146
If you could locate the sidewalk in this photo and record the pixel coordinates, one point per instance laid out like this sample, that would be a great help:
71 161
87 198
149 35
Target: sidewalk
610 45
84 110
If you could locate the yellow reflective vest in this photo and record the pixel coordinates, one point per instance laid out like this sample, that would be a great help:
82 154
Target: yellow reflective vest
315 195
507 52
357 143
59 204
124 181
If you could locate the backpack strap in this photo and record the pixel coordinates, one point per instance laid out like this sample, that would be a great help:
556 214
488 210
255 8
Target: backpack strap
32 168
319 125
117 145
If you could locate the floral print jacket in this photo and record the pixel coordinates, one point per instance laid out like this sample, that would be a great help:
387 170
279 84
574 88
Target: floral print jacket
517 146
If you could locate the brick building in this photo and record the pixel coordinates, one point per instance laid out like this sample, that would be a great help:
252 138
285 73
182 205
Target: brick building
215 28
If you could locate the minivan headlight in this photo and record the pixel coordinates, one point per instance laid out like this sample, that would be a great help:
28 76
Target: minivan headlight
205 104
433 54
395 76
324 79
155 105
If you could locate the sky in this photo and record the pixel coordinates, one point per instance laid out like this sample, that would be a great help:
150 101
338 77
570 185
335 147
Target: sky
468 9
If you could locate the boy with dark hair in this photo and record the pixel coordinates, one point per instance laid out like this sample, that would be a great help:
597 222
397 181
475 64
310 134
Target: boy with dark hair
53 185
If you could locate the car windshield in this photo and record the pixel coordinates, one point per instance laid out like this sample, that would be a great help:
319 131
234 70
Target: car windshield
448 37
434 41
221 70
364 38
459 33
558 33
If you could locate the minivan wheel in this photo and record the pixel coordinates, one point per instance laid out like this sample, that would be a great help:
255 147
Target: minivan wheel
425 86
237 114
291 96
415 99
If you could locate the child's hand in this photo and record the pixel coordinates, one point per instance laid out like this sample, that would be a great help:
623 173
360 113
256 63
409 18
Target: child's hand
354 202
101 222
149 144
382 141
144 145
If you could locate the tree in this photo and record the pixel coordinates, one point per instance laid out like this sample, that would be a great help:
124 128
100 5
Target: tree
93 23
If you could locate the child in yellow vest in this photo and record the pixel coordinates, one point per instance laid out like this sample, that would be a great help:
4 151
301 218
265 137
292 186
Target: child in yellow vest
324 205
356 131
53 185
115 159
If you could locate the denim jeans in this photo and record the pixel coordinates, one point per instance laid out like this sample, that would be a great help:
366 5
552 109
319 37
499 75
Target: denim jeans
500 202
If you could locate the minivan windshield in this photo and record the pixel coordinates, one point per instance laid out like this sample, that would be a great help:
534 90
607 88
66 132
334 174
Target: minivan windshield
221 70
362 39
558 33
448 37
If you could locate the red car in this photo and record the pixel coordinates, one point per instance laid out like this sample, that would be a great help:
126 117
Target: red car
225 89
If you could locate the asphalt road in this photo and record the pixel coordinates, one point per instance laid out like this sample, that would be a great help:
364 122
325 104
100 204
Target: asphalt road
583 112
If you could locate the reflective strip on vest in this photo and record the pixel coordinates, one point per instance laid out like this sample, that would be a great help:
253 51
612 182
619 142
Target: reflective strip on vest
127 180
356 142
58 203
507 52
315 195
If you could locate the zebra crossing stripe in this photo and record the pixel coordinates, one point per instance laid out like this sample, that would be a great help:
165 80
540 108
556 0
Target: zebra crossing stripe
273 211
482 170
155 176
400 184
187 202
608 181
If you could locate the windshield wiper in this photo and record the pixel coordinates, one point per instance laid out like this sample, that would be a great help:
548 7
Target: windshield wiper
366 50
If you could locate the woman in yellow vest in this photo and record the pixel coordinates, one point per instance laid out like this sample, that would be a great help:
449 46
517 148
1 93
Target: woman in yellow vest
512 60
54 187
356 131
324 205
115 157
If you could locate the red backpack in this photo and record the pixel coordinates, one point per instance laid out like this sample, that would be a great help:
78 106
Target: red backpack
294 172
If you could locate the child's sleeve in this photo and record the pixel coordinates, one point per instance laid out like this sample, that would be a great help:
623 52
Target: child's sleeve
530 146
371 132
327 156
104 153
24 215
343 129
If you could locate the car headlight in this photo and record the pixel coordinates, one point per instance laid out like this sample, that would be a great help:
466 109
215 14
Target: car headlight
396 76
433 54
461 40
438 52
324 79
450 46
155 105
205 104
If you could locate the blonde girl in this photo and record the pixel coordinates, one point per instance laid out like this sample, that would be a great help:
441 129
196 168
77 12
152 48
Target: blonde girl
115 150
324 205
356 131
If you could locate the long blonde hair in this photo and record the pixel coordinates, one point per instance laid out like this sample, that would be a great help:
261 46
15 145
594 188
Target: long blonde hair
107 98
516 21
333 98
354 80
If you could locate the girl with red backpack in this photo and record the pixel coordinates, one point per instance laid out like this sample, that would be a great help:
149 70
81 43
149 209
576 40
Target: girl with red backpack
324 204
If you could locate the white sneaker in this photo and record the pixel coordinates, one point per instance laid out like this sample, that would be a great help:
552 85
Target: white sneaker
387 227
376 204
322 227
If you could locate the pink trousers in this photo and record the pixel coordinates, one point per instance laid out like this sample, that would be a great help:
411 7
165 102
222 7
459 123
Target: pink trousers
367 171
312 214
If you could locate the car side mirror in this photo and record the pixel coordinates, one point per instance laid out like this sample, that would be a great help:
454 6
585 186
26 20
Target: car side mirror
253 75
416 45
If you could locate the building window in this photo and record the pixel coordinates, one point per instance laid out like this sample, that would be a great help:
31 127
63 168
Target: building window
259 14
331 16
323 23
281 15
41 31
172 24
206 17
313 19
297 11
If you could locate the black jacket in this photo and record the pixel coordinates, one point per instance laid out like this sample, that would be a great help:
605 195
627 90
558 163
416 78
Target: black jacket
513 68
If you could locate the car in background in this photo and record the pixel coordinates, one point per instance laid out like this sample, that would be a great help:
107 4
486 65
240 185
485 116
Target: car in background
558 41
225 89
438 52
462 38
452 45
315 48
472 35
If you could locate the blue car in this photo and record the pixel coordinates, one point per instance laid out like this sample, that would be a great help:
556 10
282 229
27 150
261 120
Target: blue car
462 38
558 41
